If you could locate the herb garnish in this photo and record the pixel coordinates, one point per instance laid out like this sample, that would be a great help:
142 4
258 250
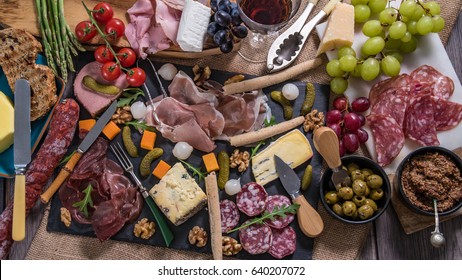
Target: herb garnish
140 125
195 170
129 95
66 159
267 123
278 211
86 201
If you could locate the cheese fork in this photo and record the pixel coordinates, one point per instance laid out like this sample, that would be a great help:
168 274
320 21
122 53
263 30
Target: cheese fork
127 165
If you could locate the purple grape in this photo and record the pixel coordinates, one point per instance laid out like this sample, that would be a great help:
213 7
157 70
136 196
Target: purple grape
222 18
333 116
341 148
340 103
360 104
362 135
220 37
362 119
336 128
351 143
351 122
213 28
235 16
227 46
240 31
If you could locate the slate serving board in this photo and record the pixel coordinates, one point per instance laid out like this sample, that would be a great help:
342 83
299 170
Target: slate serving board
304 244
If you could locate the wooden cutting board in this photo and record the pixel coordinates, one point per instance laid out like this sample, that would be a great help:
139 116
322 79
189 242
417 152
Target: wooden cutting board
409 219
22 14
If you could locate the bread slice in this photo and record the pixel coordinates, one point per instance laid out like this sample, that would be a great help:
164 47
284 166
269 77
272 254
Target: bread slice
18 52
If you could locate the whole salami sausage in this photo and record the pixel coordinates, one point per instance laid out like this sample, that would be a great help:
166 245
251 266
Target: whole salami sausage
54 147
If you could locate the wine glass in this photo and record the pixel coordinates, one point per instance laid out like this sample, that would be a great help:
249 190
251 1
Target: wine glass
266 17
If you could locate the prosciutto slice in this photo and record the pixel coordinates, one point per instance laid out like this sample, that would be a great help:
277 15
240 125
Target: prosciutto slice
116 201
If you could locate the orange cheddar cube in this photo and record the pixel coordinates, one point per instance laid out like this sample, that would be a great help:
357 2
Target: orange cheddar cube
210 162
87 124
161 169
148 140
111 130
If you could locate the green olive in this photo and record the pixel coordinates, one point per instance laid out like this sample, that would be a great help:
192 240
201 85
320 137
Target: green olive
374 181
368 191
359 200
376 194
359 187
352 167
371 203
367 172
365 212
331 197
337 208
346 193
348 208
356 174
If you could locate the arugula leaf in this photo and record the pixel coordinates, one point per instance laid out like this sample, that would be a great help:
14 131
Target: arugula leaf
195 170
270 122
267 123
129 95
140 125
66 159
86 201
277 212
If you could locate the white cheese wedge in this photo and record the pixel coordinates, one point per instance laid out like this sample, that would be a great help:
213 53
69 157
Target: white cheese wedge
6 122
178 195
293 148
193 26
340 29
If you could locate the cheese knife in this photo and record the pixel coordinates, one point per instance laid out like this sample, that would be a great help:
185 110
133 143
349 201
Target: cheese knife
309 220
83 147
22 155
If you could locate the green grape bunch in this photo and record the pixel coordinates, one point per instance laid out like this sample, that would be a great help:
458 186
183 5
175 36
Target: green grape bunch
391 33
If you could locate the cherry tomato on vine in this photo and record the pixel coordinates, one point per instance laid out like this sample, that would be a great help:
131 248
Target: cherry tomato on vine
103 12
85 31
103 54
115 28
110 71
136 77
127 57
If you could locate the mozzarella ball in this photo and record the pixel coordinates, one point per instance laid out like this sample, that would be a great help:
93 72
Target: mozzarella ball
182 150
290 91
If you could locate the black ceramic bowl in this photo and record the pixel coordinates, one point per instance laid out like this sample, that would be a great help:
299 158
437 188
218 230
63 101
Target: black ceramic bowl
362 162
454 158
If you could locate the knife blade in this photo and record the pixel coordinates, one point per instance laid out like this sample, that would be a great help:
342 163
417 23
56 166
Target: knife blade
83 147
22 155
309 220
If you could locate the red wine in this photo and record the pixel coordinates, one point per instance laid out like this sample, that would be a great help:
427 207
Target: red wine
267 12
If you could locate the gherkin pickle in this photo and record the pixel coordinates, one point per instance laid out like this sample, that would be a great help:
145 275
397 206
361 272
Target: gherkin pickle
307 177
376 194
359 187
331 197
346 193
359 200
284 102
365 212
337 208
145 165
352 167
223 174
371 203
128 142
309 99
348 208
356 174
374 181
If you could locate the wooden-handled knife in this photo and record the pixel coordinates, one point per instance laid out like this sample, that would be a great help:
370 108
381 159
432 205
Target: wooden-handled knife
83 147
22 155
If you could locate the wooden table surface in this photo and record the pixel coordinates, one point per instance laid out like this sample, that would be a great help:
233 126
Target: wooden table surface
386 241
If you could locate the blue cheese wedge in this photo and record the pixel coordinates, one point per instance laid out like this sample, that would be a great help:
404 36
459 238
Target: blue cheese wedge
193 26
293 148
178 195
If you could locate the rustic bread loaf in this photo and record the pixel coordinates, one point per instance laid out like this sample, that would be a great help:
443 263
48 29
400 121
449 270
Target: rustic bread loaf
18 52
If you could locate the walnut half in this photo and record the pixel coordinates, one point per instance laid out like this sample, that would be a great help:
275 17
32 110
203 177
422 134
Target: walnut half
144 228
240 160
230 246
66 217
122 115
201 74
313 120
197 236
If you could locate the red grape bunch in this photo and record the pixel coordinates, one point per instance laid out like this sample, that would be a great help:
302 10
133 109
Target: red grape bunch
347 123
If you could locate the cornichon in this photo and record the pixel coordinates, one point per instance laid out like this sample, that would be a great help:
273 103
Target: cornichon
223 174
286 106
128 142
94 85
307 177
309 99
145 165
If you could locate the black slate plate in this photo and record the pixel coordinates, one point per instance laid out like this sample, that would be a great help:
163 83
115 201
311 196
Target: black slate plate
304 244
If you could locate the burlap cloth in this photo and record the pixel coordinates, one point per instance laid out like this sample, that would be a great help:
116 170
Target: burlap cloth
348 239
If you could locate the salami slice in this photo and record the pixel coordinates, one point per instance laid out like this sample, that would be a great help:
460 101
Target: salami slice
251 199
256 239
402 81
419 123
392 103
284 242
279 201
388 137
428 76
447 114
229 215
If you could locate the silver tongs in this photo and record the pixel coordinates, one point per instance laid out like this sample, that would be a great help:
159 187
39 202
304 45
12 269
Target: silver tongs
288 45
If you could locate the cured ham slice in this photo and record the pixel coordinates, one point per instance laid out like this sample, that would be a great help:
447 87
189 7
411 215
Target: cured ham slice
388 137
419 123
427 76
184 90
116 201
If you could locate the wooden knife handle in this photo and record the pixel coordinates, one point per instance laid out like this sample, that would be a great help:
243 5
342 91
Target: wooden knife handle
62 176
19 208
326 143
309 220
